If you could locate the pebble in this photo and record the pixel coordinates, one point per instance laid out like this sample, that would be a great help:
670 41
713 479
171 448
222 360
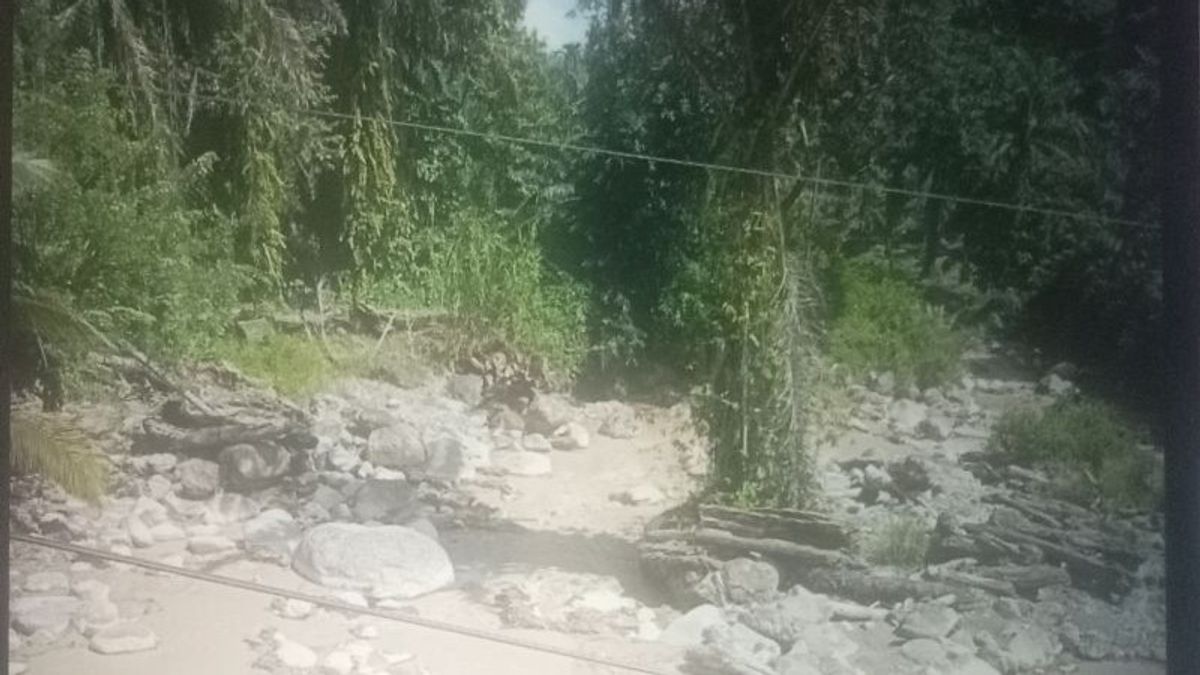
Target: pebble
293 609
536 443
293 654
123 639
158 487
365 631
571 436
208 544
139 532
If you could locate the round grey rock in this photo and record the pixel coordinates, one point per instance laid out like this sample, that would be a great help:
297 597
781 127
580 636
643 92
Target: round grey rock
384 561
123 639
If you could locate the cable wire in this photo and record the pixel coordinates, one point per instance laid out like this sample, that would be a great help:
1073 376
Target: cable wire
334 604
712 166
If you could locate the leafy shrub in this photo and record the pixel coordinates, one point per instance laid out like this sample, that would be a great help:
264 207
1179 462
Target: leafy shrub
1090 439
498 283
113 228
881 323
901 542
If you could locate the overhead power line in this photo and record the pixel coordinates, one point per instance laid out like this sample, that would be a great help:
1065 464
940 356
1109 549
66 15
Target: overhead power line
711 166
331 603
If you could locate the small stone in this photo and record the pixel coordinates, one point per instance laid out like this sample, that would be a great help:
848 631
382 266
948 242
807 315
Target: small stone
1056 385
198 478
343 459
313 513
747 580
289 608
571 436
123 639
139 532
251 467
272 535
158 487
743 644
620 422
293 654
446 459
547 413
210 544
365 631
904 415
47 582
397 446
928 620
385 501
536 443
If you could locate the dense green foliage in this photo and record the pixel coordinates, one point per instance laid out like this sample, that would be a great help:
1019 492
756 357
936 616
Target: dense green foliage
882 323
1089 436
181 161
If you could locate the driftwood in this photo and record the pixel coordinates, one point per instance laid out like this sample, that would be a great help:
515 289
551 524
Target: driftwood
814 529
993 586
778 548
867 588
162 437
1027 580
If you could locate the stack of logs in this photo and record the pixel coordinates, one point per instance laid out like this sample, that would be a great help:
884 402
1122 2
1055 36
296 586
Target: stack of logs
1027 544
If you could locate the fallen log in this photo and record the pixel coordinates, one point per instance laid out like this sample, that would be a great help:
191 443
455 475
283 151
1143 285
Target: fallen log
993 586
1088 572
159 436
807 556
807 527
1027 580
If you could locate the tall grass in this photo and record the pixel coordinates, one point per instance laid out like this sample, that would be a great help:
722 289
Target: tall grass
881 323
53 449
496 282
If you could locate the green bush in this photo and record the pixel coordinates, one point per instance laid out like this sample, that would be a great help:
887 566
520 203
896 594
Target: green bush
113 228
881 323
901 542
499 285
1089 439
